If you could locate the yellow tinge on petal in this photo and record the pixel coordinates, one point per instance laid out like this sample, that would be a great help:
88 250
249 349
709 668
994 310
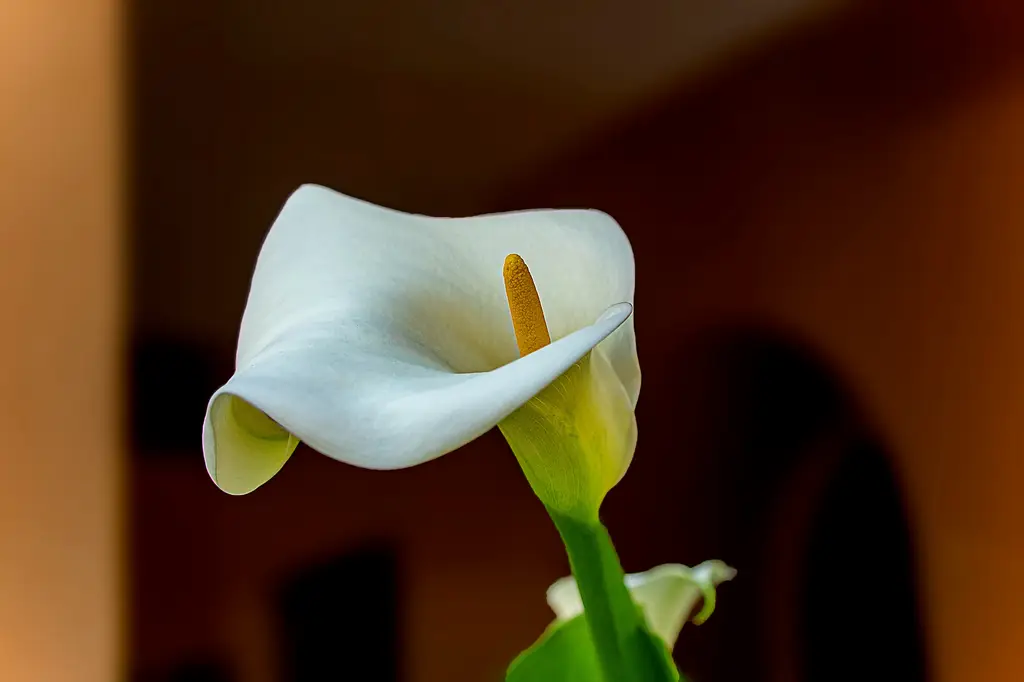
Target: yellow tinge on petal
575 439
254 446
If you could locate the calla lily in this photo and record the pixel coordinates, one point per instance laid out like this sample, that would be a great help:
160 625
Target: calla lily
384 340
667 595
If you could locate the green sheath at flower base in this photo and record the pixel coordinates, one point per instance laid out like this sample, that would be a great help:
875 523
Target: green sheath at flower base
574 439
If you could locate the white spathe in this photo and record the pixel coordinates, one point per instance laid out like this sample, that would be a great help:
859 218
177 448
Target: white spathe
383 339
667 594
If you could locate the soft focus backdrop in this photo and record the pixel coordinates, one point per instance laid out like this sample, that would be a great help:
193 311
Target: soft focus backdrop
826 207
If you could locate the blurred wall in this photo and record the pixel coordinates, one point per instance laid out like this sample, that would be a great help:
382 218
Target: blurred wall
859 190
60 292
422 106
475 554
856 190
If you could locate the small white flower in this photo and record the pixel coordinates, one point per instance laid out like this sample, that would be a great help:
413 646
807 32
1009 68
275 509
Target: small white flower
667 594
384 340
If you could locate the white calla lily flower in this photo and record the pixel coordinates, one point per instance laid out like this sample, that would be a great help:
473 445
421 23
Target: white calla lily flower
667 594
384 339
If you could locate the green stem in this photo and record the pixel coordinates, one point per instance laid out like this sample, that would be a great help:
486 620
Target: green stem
615 622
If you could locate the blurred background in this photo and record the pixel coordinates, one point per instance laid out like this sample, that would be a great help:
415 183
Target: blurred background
826 204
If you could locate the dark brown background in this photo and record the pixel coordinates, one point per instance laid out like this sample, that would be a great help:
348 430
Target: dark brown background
827 223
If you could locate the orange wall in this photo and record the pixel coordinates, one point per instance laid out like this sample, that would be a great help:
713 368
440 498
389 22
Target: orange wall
862 190
59 292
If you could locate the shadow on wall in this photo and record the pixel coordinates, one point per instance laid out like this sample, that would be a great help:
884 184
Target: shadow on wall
333 619
339 619
811 513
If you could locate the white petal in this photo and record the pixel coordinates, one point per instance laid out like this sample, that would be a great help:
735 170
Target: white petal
383 339
667 594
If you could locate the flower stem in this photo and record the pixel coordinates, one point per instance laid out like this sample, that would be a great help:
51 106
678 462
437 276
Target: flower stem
625 649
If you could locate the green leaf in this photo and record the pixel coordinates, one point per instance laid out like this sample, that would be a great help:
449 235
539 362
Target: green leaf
565 653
